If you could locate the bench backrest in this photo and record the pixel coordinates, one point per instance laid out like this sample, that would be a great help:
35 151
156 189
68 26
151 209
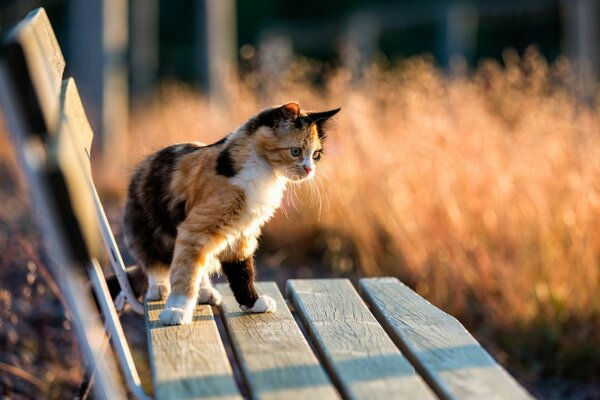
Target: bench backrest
44 119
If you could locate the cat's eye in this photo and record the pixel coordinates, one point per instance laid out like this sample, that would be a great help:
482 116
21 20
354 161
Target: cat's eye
316 155
295 151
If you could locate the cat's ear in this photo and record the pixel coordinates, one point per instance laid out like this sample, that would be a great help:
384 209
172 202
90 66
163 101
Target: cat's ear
290 111
320 119
271 116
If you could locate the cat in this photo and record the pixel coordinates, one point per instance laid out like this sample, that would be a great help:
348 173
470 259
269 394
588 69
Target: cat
194 209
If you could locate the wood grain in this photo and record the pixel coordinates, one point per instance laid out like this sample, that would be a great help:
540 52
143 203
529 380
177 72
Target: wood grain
364 361
44 61
67 151
189 361
440 348
274 356
73 115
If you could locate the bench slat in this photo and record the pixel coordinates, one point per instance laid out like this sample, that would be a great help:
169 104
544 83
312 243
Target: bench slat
75 117
189 361
44 61
441 349
274 357
359 354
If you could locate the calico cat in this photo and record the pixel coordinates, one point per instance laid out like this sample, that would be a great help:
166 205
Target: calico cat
193 209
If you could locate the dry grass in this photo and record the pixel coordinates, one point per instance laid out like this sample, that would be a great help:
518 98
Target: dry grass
480 190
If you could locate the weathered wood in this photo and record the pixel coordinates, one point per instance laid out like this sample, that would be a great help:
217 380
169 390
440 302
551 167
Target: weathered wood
72 146
65 153
275 359
75 118
360 356
44 61
189 361
445 354
31 67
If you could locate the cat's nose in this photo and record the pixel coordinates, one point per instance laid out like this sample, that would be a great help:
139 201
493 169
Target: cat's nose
307 169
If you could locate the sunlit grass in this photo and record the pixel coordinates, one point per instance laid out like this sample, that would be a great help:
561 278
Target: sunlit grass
480 190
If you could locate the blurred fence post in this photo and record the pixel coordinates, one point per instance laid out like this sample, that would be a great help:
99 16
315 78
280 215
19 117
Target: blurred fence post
581 42
215 46
275 56
360 43
144 48
98 59
457 32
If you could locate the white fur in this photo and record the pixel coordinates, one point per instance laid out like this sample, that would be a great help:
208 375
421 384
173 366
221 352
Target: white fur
209 295
263 189
179 310
308 162
263 304
158 285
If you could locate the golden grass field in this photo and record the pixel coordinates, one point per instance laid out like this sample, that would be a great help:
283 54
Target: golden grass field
481 190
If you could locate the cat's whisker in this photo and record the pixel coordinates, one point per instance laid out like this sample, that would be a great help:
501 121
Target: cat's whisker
318 196
311 187
325 189
284 210
292 194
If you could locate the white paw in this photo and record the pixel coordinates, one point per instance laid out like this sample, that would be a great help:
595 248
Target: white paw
262 304
175 316
179 310
158 292
209 295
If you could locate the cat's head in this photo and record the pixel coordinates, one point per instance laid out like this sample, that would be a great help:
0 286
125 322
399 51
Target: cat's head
289 139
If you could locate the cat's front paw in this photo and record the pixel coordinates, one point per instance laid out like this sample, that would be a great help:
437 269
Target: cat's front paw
263 304
209 295
179 310
175 316
158 292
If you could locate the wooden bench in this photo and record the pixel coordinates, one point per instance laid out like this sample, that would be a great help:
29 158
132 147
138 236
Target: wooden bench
328 340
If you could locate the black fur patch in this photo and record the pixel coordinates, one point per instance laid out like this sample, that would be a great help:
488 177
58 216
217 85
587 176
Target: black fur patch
321 119
240 275
219 142
264 118
225 165
150 216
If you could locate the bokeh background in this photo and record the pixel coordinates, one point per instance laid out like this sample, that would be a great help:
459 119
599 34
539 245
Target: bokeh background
466 160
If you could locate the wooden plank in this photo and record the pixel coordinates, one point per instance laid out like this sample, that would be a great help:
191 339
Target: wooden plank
440 348
75 201
188 361
360 356
44 61
274 356
74 116
74 133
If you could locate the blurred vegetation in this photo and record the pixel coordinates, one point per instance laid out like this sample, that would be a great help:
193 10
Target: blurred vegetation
480 190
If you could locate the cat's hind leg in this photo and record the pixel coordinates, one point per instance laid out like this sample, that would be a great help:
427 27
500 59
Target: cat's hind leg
158 282
207 294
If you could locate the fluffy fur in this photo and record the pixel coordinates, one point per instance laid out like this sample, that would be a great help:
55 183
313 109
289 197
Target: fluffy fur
192 209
